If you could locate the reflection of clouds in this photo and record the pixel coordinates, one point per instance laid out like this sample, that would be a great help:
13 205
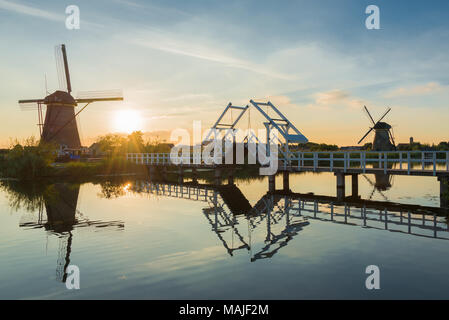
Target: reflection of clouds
187 259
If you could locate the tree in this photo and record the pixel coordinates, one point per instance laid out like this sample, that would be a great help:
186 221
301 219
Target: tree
112 144
135 142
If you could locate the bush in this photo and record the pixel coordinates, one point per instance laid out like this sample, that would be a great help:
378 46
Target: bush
28 161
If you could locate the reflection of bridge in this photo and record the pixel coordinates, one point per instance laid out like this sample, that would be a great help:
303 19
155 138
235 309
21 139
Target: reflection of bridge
285 214
389 216
341 163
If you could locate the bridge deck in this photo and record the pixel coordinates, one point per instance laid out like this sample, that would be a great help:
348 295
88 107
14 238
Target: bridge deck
364 170
416 163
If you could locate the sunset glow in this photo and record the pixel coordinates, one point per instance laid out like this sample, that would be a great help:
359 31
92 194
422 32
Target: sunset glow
127 121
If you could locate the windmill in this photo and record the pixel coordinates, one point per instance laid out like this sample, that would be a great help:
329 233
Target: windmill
383 137
60 125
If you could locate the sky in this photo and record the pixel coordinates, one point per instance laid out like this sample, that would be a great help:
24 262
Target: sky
180 61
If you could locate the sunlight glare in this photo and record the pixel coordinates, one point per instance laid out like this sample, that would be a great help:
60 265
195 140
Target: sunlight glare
127 121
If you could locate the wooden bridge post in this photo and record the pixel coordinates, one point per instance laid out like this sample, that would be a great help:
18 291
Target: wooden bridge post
286 180
152 172
180 175
355 185
217 174
271 183
444 192
164 173
231 177
194 175
340 185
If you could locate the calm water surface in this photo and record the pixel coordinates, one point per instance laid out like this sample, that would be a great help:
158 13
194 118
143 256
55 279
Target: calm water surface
130 240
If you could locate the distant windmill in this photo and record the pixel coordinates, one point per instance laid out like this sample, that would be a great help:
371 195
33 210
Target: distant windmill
383 137
60 125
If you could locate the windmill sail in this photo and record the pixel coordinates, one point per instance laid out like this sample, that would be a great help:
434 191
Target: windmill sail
100 95
28 106
365 135
369 115
62 68
386 112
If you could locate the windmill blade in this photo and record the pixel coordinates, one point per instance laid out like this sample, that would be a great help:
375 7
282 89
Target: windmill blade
383 195
369 115
31 101
102 95
31 104
365 135
28 106
368 179
62 68
386 112
372 193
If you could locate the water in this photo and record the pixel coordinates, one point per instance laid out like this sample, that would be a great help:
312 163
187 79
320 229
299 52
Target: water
131 241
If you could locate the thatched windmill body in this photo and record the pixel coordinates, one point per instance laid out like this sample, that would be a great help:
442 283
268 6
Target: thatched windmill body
60 125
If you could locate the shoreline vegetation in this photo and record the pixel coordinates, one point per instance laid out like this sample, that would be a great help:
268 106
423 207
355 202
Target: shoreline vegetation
35 160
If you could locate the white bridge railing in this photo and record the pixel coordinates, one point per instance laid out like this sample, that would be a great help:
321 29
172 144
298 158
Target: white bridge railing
432 162
194 193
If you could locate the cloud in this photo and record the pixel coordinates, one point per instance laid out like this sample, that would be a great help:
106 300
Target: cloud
39 13
419 90
30 11
335 99
331 97
191 96
184 45
278 100
153 8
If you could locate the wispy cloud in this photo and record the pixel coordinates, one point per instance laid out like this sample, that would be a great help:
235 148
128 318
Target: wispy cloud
39 13
191 96
30 11
419 90
280 100
178 44
153 8
335 99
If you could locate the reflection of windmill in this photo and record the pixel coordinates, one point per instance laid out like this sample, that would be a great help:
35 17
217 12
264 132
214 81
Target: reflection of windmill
383 183
60 119
383 137
62 218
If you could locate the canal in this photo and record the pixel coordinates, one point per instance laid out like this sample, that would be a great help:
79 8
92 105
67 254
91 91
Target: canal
138 239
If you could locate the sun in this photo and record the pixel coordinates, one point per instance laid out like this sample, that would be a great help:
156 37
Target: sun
127 121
